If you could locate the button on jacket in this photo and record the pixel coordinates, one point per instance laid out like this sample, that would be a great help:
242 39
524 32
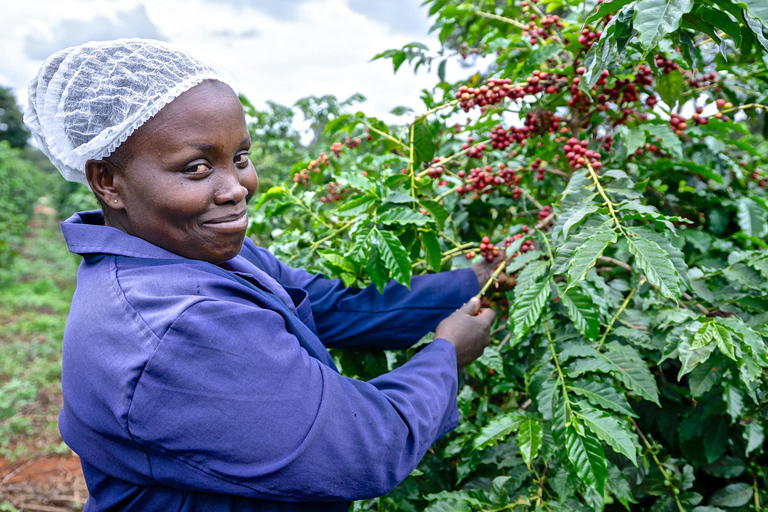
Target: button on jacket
193 386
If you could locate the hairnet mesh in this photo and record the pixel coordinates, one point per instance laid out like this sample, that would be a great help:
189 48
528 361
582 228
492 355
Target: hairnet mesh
88 99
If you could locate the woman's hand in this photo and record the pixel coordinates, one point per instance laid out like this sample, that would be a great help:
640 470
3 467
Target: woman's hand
484 269
468 329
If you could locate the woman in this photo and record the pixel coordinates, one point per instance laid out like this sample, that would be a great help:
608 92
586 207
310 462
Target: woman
195 371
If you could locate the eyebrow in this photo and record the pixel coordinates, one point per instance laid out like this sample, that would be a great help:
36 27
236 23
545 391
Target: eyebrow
207 147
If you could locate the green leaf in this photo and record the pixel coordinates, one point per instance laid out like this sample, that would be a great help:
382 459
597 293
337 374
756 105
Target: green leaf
657 18
404 217
712 332
752 218
754 435
449 505
726 467
586 256
670 86
564 254
634 140
584 315
339 261
529 275
758 9
609 50
498 429
398 198
272 193
575 215
588 458
706 375
355 206
423 143
522 260
733 495
528 307
604 9
667 138
377 269
655 263
581 366
432 250
720 21
602 394
757 28
437 211
394 256
529 439
750 338
610 431
676 256
632 370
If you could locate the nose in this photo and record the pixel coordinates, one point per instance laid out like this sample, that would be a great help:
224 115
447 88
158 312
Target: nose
230 187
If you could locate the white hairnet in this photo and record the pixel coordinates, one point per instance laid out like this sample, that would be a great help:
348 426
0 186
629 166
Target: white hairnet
86 100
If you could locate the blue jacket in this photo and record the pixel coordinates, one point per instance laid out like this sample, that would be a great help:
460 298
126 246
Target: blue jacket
190 387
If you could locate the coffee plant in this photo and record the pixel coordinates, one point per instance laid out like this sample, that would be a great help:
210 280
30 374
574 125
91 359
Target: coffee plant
612 158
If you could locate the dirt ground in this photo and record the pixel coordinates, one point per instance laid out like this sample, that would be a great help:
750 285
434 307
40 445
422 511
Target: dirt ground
53 483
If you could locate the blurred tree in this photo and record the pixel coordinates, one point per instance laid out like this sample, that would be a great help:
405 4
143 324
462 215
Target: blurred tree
12 126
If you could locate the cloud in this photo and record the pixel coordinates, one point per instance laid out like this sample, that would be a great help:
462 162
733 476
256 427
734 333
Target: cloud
399 16
249 33
284 10
71 32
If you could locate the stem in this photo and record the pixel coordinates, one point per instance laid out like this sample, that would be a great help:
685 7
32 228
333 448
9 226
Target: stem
445 160
343 227
411 171
445 194
663 471
387 136
756 491
532 199
493 277
619 312
745 107
502 19
549 248
608 202
306 208
436 109
559 371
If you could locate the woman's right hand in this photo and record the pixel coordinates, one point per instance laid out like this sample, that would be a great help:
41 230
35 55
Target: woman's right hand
468 329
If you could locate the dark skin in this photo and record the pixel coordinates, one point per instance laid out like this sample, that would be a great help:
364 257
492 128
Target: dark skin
183 180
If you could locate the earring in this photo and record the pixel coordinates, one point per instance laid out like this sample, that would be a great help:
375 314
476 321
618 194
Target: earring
115 200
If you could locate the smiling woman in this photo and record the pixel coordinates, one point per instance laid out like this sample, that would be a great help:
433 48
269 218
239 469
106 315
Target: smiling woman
188 181
195 371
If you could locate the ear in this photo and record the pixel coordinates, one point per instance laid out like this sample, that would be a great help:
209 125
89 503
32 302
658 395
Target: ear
102 180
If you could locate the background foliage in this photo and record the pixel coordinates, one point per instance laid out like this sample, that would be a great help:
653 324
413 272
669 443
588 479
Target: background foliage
617 152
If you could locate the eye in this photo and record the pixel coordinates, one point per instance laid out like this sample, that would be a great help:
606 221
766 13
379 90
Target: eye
197 169
241 159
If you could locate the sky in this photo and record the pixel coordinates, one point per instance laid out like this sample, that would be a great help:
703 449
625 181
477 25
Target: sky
276 50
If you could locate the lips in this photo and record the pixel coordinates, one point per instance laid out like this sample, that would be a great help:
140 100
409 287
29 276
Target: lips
229 223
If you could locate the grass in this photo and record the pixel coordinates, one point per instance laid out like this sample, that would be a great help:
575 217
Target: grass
35 294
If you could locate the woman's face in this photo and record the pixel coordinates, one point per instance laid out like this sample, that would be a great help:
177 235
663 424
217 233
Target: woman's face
187 179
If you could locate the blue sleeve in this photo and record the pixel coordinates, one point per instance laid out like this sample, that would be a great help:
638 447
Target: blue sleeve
366 319
231 403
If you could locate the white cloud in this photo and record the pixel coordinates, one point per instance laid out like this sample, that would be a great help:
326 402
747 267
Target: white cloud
278 9
399 16
310 48
71 32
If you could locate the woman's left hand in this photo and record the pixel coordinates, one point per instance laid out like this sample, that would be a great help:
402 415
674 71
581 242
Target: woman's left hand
484 269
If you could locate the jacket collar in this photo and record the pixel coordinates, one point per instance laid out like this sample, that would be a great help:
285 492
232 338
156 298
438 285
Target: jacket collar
85 233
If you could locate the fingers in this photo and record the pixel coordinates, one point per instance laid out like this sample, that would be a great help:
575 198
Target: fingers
488 315
472 307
